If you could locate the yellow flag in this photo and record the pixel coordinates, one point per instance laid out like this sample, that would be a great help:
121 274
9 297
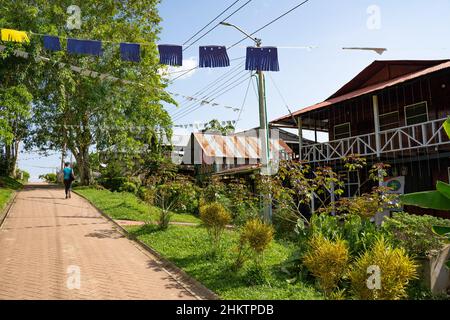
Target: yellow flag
14 36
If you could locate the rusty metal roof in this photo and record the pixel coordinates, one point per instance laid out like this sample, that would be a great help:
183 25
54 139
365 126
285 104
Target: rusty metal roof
243 147
441 65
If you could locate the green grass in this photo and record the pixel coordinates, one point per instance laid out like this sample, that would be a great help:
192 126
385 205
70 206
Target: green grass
189 249
7 188
126 206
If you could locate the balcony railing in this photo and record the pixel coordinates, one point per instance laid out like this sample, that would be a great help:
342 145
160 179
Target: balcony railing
423 135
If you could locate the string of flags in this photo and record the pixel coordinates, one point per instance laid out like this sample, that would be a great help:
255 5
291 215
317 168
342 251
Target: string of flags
202 102
213 56
103 76
200 126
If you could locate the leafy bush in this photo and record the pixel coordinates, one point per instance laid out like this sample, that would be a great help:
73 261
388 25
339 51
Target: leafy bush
215 218
183 194
147 194
397 269
235 196
23 176
49 177
256 236
327 260
359 233
129 187
113 184
414 233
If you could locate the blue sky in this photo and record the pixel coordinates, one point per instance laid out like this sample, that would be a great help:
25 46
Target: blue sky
414 29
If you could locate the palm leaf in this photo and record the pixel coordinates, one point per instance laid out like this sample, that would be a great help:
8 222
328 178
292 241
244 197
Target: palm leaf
428 200
447 127
444 189
442 231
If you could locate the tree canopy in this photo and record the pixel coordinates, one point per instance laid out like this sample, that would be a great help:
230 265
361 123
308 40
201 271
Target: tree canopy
82 112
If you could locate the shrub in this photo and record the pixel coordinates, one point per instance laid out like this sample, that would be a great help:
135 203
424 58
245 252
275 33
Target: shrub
183 194
147 195
256 236
327 260
129 187
113 184
49 177
414 233
215 218
396 268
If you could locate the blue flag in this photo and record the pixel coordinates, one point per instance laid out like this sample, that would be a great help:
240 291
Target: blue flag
263 59
171 55
90 47
130 52
213 57
52 43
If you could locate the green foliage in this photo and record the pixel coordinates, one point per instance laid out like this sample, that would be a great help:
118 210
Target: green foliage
189 248
358 232
127 206
236 196
328 261
437 200
183 194
10 183
128 187
24 175
396 267
80 111
214 126
215 218
256 236
49 177
414 233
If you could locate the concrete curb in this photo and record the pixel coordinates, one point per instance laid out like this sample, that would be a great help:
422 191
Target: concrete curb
196 288
4 213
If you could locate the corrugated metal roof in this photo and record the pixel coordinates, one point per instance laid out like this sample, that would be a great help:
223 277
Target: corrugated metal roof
367 90
243 147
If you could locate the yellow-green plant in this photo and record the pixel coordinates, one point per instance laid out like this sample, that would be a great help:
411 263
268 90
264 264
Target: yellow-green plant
395 267
215 218
256 236
327 260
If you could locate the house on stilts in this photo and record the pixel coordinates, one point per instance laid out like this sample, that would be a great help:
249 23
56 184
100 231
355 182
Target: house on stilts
392 112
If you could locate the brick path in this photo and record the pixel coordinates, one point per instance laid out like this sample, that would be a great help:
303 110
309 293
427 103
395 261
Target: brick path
46 239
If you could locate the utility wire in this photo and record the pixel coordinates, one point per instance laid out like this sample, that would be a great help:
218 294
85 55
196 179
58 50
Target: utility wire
213 28
211 22
245 101
221 94
214 83
270 23
208 95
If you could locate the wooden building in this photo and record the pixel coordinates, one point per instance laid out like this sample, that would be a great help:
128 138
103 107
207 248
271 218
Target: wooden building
393 112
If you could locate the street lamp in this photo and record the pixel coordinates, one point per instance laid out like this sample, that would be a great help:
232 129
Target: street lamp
264 125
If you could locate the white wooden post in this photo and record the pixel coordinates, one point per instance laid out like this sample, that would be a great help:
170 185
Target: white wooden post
376 120
300 138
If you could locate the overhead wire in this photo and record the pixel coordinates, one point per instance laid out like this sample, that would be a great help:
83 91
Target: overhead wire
270 23
211 22
216 97
213 28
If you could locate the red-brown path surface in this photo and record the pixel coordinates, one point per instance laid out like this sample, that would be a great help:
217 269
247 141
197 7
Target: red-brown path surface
45 239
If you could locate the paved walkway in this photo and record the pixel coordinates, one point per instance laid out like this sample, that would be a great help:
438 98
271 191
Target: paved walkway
52 248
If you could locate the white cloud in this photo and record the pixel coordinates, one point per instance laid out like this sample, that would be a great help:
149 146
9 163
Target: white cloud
186 71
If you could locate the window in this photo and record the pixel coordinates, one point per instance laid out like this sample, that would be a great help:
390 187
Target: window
389 120
342 131
416 113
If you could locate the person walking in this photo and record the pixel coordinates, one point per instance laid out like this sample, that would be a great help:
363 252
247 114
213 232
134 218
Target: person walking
68 179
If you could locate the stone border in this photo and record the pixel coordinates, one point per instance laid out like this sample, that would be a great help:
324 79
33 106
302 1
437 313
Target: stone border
4 213
199 291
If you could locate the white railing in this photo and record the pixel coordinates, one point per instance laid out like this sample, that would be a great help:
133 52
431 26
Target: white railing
423 135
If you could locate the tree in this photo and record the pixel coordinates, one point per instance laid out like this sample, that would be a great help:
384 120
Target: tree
216 126
82 112
15 107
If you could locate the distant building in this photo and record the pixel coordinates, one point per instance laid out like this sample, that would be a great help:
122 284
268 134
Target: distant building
215 154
